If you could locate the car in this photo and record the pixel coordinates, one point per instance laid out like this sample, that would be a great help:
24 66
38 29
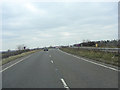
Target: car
45 49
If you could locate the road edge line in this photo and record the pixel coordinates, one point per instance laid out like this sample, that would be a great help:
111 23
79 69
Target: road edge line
91 61
14 64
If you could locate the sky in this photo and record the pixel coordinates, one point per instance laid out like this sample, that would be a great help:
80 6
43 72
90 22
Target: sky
42 24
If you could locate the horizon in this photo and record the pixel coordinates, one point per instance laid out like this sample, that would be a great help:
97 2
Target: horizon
42 24
58 45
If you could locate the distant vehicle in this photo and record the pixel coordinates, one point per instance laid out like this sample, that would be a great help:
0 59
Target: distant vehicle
45 49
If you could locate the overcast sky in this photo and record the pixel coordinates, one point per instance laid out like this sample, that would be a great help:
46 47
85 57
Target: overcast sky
40 24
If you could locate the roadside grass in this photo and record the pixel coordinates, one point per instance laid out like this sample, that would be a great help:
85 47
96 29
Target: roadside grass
106 57
11 58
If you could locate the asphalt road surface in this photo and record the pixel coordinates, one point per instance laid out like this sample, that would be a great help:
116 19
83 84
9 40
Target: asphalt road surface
55 69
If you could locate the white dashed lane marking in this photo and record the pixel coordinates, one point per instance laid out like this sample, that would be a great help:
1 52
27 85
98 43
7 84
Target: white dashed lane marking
64 83
51 61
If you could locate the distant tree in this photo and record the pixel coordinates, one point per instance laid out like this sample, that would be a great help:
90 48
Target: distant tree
24 47
108 41
87 40
8 50
21 47
83 41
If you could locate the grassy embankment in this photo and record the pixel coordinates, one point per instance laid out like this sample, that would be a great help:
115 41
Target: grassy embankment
106 57
11 58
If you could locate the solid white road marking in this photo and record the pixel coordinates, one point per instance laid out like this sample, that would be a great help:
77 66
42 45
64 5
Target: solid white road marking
64 83
91 62
14 64
51 61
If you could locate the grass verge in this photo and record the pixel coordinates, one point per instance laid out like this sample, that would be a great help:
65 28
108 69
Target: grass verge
11 58
106 57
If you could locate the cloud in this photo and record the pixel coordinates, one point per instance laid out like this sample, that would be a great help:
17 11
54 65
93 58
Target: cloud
31 7
34 9
66 34
50 23
113 26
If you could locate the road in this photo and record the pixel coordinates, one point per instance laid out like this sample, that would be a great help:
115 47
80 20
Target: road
55 69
